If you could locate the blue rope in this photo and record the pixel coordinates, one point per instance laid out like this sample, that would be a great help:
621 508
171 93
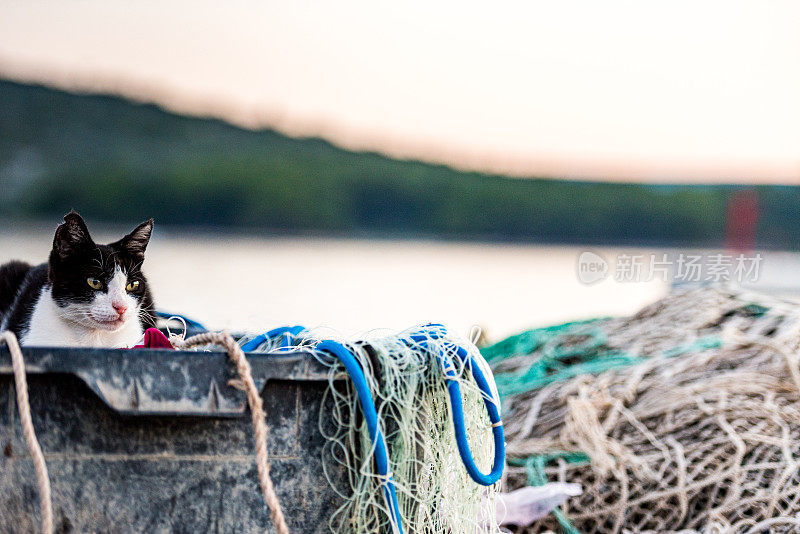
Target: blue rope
288 332
371 416
422 339
454 390
189 322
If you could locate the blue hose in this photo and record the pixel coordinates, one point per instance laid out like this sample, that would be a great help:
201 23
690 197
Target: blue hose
288 332
454 391
189 322
371 416
432 331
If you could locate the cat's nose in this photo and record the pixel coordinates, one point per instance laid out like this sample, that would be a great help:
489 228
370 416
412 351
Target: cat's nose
119 307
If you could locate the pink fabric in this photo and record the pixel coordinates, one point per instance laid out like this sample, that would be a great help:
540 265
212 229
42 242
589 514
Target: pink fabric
153 339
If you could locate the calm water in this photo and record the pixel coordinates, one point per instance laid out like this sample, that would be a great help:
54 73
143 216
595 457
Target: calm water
357 285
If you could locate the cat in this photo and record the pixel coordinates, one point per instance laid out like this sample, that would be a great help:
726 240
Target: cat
87 295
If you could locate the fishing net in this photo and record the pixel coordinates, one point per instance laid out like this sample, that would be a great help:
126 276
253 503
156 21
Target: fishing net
435 493
683 417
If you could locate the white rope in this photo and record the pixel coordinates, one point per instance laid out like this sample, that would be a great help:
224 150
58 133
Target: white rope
246 383
24 407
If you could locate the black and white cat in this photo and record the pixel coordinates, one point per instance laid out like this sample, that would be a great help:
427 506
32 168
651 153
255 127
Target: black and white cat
87 295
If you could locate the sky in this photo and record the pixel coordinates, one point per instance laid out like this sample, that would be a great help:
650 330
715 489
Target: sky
679 91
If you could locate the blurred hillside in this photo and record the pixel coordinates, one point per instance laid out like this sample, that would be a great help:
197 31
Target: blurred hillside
118 161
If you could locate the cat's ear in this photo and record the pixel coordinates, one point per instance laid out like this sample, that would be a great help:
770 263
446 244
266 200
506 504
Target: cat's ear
136 242
71 236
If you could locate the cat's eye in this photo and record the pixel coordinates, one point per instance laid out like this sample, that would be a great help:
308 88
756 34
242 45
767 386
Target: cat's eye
132 285
94 283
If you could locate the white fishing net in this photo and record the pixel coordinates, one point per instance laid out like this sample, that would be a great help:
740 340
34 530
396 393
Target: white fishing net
435 493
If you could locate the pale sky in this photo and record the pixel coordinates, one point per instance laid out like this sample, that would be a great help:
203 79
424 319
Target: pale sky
651 91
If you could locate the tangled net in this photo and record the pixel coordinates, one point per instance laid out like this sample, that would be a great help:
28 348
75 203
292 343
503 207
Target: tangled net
683 417
435 493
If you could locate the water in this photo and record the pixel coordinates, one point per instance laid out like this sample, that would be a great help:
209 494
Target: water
353 285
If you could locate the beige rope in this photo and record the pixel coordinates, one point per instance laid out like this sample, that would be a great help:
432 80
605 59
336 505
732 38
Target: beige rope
246 383
24 407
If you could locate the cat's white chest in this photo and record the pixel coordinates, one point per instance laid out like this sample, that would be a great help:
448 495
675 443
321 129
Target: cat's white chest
48 328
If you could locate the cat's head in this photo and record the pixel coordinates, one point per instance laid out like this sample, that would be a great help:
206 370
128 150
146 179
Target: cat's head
100 287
